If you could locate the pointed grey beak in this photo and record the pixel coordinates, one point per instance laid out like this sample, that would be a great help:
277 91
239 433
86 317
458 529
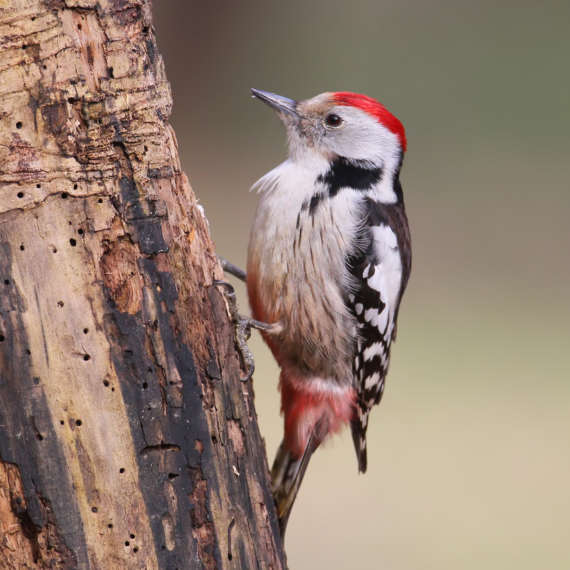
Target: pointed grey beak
277 102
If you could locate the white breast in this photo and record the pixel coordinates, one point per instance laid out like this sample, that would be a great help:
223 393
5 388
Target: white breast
299 258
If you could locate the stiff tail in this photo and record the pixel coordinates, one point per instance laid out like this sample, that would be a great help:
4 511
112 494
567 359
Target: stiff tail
286 476
358 427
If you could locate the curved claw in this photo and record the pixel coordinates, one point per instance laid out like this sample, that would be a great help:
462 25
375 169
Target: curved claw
249 373
228 286
242 329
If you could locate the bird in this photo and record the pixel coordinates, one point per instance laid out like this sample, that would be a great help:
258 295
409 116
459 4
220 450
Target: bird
329 258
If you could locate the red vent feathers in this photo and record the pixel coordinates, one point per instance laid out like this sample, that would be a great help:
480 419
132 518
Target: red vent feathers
376 110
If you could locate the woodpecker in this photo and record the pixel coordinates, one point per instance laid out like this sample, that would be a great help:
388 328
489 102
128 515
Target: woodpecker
329 258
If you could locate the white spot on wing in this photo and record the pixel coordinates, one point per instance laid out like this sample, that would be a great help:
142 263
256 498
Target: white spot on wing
387 278
374 349
382 321
372 381
371 315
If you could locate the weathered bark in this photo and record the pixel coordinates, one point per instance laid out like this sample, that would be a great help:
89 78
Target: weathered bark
126 437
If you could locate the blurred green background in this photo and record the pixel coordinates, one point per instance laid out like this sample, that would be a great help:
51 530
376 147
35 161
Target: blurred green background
469 461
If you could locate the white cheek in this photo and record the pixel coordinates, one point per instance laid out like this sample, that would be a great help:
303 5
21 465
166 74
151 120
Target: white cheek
375 144
362 137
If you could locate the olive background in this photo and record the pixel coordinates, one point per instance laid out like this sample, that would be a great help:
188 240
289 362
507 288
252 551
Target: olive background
469 459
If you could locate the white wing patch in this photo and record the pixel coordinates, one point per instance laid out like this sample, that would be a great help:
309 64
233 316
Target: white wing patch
387 277
374 305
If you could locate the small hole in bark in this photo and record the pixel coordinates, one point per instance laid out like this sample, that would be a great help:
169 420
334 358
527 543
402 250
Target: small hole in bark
64 195
6 281
145 385
19 125
78 422
127 543
132 535
54 249
62 422
38 185
80 232
85 330
79 26
110 525
28 351
172 476
163 547
2 338
40 437
122 470
75 186
93 509
110 72
145 29
100 201
18 500
214 440
20 194
22 248
136 549
106 383
145 148
72 242
36 380
33 18
230 557
60 303
86 357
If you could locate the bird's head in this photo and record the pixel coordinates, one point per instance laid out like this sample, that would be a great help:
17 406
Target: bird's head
340 124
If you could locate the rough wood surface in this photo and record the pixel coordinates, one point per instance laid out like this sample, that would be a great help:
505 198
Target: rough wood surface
126 438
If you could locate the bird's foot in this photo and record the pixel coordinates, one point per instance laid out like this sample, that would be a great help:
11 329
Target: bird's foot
232 269
242 328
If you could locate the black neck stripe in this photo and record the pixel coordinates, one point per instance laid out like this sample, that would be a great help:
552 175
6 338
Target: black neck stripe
346 174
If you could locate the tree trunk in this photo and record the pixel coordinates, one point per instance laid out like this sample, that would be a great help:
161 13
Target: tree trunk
126 437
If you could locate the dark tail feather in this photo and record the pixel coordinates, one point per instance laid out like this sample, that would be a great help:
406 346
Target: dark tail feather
358 427
286 476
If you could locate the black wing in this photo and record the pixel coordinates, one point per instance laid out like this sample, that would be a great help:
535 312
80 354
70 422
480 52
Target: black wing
380 270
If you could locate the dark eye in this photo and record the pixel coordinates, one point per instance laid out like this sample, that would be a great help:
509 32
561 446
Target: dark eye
333 120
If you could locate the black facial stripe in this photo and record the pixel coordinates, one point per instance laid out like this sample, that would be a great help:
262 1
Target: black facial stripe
346 174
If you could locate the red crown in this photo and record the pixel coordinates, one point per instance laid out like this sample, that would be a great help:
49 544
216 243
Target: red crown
376 110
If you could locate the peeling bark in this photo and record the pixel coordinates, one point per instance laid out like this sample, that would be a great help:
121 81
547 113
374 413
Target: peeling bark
126 437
